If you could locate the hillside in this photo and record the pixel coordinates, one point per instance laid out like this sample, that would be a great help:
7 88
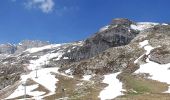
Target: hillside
124 60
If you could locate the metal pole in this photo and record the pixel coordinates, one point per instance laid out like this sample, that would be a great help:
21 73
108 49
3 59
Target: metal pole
25 91
24 85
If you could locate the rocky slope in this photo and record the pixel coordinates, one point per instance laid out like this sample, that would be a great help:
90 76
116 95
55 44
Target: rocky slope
114 55
118 33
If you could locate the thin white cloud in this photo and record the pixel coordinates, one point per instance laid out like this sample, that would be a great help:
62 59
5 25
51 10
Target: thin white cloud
45 6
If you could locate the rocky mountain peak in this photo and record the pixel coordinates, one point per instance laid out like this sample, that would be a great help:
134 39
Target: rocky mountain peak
118 33
121 21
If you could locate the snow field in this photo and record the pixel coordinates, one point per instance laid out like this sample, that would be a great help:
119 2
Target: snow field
113 89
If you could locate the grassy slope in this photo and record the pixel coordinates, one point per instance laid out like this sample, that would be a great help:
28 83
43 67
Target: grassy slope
138 88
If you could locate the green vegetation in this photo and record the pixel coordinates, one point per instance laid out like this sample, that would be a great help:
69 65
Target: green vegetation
139 85
140 88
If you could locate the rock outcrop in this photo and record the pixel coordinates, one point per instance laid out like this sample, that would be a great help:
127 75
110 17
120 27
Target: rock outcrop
118 33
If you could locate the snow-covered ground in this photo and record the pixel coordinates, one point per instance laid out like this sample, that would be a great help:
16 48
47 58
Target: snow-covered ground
157 71
44 75
37 49
104 28
20 91
86 77
147 47
113 89
44 78
44 60
144 43
143 25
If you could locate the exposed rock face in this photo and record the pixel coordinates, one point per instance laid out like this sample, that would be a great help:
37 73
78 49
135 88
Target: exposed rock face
117 34
160 55
122 56
10 71
109 61
160 38
121 21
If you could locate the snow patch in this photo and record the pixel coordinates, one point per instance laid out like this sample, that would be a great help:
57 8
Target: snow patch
42 76
79 84
86 77
19 44
144 43
68 71
69 51
147 23
44 60
38 49
164 24
113 89
29 91
65 58
104 28
148 49
157 71
143 25
73 47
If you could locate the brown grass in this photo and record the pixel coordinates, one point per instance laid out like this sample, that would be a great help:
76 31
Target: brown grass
86 91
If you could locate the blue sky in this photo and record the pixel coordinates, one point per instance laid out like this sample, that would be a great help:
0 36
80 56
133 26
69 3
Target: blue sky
60 21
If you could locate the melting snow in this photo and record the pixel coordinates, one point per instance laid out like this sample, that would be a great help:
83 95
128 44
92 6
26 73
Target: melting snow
34 50
164 24
147 47
104 28
45 76
113 89
144 43
20 44
86 77
44 60
143 25
147 23
65 58
67 71
157 71
69 51
29 90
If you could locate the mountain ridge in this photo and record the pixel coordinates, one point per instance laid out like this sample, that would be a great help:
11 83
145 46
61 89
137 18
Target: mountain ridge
116 53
